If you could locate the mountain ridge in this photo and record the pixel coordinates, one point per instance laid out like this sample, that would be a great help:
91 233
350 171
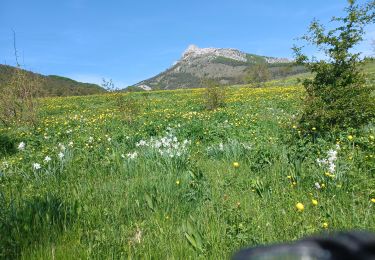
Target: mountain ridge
52 85
225 65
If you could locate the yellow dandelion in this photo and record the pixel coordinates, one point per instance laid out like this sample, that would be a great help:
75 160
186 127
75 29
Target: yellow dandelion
373 200
350 137
178 182
325 225
236 165
300 207
314 202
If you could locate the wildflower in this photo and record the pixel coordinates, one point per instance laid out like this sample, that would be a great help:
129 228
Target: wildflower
141 143
236 165
314 128
325 225
294 127
132 156
178 182
314 202
350 137
21 146
289 177
62 147
330 161
317 186
372 137
373 200
61 155
70 144
47 159
300 207
332 167
36 166
328 174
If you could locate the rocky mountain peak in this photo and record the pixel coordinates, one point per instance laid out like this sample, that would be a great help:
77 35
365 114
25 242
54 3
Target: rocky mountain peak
194 51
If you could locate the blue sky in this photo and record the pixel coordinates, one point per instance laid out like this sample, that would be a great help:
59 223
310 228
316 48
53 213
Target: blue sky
129 41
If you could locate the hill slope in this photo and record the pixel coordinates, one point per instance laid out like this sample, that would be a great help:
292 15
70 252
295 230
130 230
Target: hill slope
52 85
228 66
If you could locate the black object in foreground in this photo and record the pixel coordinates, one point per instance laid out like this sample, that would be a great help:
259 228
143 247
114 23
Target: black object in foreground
340 246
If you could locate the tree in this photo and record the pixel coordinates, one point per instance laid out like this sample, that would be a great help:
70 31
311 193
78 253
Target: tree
338 96
214 94
257 74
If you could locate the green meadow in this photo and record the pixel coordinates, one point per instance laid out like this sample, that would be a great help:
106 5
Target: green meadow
176 181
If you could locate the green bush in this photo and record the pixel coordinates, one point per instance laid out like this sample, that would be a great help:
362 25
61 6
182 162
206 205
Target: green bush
337 96
214 95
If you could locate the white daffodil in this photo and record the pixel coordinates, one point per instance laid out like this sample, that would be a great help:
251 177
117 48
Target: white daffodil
36 166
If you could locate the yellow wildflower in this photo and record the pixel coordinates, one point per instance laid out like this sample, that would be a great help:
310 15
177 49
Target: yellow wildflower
300 207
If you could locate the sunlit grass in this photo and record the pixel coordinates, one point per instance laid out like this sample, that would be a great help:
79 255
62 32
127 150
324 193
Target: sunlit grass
114 189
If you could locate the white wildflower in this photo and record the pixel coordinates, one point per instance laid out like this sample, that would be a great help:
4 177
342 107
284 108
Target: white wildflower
21 146
47 159
330 160
62 147
61 155
36 166
132 156
141 143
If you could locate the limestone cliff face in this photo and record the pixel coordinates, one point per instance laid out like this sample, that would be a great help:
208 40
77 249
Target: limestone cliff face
195 52
227 66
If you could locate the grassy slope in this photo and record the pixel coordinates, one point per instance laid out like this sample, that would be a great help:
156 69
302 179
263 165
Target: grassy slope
95 204
52 85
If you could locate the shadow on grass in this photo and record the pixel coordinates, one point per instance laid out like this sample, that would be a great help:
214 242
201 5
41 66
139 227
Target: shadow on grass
32 222
7 145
